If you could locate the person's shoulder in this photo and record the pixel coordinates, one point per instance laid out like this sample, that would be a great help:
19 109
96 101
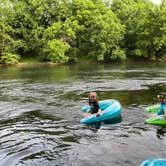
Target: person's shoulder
164 105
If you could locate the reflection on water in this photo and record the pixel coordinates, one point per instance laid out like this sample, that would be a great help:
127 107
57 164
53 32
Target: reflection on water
97 125
161 133
40 115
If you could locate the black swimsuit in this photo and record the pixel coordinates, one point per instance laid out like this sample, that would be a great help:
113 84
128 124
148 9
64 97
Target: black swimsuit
94 107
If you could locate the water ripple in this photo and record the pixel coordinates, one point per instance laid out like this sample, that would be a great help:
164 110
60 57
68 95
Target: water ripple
40 115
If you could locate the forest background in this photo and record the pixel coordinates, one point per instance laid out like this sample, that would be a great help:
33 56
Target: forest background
76 30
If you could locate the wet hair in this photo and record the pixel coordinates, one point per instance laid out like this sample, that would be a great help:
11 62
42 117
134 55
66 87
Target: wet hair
90 102
161 95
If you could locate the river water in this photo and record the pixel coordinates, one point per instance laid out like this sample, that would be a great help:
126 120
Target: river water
40 113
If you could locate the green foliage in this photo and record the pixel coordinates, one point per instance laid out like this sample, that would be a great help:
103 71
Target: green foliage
118 54
55 51
65 30
159 35
9 59
101 30
145 27
8 44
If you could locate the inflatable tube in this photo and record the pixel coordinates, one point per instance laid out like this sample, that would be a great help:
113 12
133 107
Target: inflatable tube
158 120
154 162
153 108
110 109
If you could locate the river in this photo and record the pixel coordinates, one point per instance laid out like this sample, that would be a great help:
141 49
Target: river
40 113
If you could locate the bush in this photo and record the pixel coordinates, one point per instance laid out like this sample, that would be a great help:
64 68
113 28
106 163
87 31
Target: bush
118 54
56 50
9 59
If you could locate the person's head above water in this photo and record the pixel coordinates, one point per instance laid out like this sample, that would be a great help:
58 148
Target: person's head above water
161 97
93 97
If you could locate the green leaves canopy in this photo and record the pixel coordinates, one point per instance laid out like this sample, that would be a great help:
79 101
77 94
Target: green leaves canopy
64 30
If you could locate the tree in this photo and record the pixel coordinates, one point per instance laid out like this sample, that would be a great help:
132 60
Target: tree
101 30
145 27
7 42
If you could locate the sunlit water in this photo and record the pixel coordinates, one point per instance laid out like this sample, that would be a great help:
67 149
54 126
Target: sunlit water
40 112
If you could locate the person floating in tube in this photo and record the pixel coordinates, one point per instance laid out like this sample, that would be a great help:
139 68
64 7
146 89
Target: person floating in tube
94 105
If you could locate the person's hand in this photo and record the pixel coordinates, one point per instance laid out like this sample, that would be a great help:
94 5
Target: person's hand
97 114
153 115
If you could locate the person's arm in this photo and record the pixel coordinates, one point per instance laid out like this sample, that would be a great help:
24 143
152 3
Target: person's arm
99 112
165 113
90 111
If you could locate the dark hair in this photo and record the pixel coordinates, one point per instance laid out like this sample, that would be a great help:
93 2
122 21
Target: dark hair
162 95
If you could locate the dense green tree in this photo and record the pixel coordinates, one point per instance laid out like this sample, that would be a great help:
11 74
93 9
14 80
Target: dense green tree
7 42
159 40
101 30
65 30
26 28
128 11
145 22
35 25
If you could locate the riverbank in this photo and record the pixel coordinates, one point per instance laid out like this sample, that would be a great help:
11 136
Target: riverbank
33 62
36 62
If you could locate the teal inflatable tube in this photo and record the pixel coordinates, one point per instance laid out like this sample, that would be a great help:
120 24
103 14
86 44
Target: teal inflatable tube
154 162
110 109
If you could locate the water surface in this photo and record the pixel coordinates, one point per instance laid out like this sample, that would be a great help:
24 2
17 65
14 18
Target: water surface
40 114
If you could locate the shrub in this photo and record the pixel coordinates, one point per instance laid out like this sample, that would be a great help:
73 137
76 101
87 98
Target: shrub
9 59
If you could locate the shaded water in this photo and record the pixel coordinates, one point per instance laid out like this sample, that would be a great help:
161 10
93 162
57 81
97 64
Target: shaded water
40 113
